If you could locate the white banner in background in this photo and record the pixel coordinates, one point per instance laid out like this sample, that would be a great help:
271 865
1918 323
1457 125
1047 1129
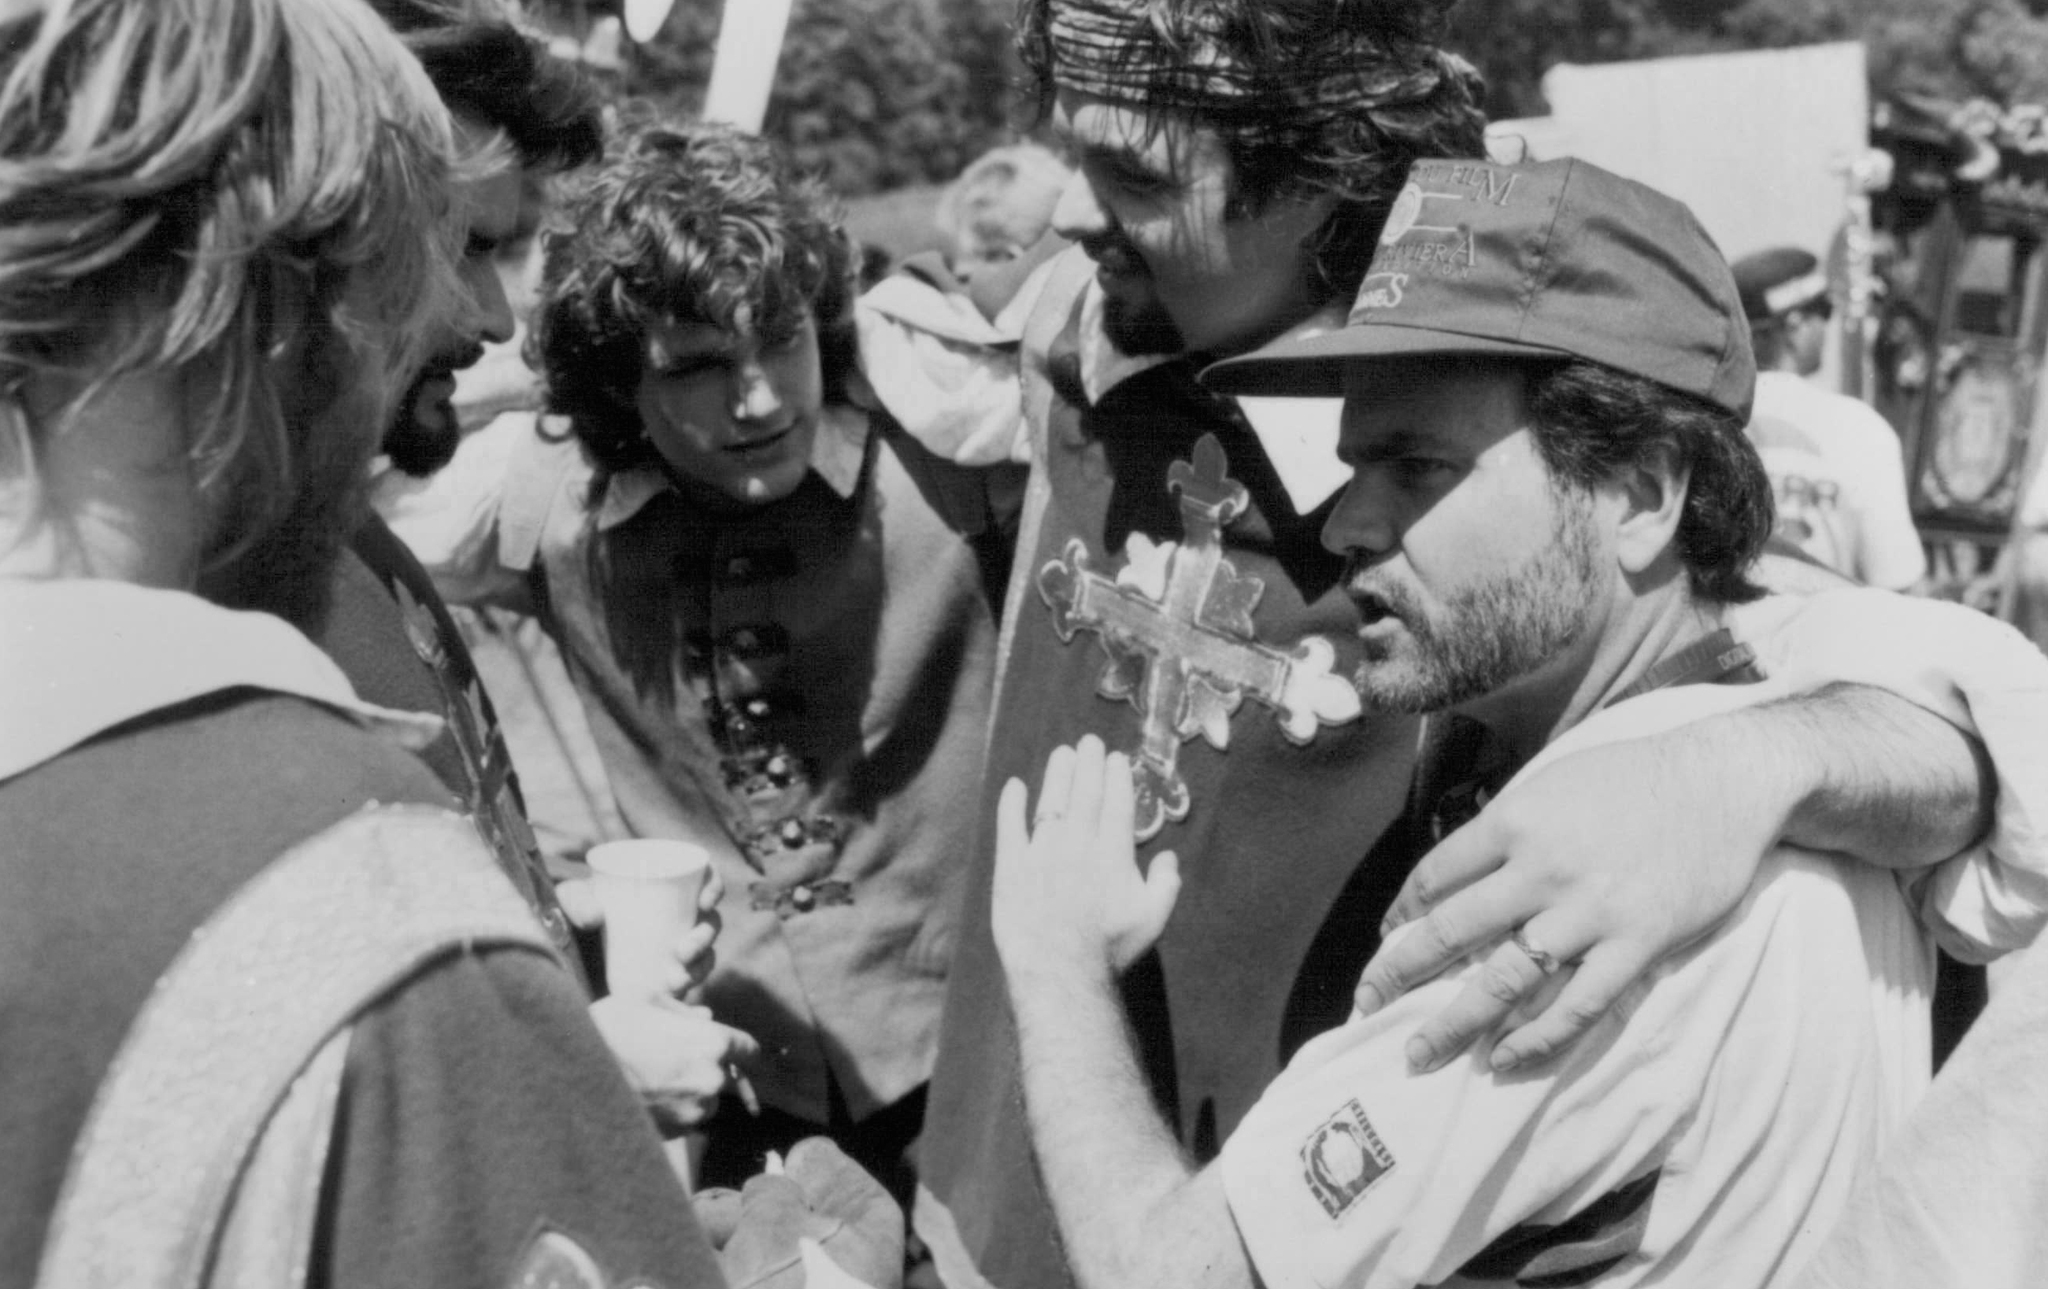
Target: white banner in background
749 43
644 18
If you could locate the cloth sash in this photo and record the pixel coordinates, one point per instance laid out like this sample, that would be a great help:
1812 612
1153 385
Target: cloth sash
1067 279
200 1161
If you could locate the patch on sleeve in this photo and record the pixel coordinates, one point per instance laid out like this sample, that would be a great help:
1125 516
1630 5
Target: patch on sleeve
1343 1158
554 1260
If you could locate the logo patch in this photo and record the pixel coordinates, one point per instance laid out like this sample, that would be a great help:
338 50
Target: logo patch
554 1260
1342 1159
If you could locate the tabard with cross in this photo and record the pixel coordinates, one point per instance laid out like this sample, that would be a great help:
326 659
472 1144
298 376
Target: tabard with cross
1176 622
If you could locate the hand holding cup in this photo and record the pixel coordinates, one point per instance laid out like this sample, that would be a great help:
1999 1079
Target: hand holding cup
656 901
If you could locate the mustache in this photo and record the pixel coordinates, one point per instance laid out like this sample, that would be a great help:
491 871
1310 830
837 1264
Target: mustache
1378 597
450 361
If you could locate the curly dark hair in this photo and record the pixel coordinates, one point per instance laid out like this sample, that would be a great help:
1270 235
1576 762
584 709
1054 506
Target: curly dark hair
485 67
1324 96
684 223
1590 422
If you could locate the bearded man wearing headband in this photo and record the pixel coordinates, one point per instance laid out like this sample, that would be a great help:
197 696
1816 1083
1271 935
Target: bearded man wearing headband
1236 159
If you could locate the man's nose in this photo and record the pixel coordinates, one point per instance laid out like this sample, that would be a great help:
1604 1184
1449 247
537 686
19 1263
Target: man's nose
490 311
1363 520
1079 214
754 397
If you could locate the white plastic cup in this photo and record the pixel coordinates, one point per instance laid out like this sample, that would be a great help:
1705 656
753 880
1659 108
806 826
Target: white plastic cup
648 891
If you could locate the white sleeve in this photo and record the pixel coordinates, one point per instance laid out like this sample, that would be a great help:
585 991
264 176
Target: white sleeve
1891 556
450 520
1351 1170
1959 1196
953 389
1981 676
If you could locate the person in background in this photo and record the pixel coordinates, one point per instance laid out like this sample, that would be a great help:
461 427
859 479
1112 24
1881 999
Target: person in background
252 964
940 336
1835 463
777 606
996 217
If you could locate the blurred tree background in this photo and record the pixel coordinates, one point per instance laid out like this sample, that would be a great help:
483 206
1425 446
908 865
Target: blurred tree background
873 94
1947 48
882 94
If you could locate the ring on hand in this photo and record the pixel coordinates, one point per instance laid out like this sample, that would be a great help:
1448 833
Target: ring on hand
1546 963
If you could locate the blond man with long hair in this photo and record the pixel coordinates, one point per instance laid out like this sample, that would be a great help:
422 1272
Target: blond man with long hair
249 954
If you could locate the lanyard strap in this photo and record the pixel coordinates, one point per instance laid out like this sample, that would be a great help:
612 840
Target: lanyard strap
1713 659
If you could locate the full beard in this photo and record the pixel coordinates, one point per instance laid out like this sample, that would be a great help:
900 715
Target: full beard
1137 324
421 441
1140 328
1487 635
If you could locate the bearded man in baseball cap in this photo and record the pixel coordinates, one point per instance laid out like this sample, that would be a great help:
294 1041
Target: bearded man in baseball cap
1546 374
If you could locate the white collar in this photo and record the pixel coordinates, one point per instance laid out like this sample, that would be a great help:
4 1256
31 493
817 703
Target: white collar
837 452
79 656
1298 434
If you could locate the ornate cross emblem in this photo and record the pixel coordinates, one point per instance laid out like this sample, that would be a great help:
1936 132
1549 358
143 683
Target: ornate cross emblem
1176 621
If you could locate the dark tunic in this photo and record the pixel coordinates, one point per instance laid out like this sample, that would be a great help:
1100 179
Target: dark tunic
479 1106
802 688
1285 797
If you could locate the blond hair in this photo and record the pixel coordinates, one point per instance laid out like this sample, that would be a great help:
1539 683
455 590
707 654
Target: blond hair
251 192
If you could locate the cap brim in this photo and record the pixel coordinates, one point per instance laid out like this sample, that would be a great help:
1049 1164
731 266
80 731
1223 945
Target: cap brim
1313 366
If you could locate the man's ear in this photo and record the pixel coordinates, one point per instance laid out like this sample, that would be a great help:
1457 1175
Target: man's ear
1307 215
1653 492
1300 218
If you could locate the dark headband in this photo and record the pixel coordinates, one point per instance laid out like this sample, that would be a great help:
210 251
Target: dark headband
1139 53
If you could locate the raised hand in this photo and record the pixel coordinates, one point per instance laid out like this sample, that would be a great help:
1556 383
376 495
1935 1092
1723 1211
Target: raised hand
1068 890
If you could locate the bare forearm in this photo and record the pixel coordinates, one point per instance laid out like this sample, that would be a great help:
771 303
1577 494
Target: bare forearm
1132 1211
1863 772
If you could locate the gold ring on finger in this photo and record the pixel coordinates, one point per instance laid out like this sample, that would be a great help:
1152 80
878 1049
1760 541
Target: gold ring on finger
1546 962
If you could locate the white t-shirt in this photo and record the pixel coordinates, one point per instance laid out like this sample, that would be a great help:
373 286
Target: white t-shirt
1961 1195
1839 480
1757 1072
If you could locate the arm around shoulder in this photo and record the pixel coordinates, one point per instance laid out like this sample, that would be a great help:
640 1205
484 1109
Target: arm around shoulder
1924 741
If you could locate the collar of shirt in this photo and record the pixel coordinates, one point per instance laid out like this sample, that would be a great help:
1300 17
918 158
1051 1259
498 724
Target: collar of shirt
837 453
1298 434
79 656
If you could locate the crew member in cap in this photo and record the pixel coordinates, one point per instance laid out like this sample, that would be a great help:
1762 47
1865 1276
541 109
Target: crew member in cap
1834 463
1546 375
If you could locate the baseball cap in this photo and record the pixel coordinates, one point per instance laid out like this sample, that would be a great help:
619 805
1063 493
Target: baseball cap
1773 283
1542 260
